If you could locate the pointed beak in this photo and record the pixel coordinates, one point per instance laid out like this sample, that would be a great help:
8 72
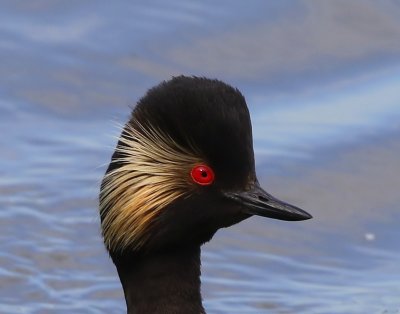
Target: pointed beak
256 201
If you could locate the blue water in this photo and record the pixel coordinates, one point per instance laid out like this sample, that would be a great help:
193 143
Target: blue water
322 82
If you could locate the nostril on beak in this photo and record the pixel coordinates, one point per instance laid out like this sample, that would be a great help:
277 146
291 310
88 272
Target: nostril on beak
262 198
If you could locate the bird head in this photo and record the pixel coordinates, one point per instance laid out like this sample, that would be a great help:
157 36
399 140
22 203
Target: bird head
183 168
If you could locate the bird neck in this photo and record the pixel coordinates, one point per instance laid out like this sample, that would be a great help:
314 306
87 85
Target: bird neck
163 282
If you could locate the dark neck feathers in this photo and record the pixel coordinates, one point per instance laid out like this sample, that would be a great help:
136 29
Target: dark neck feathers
163 282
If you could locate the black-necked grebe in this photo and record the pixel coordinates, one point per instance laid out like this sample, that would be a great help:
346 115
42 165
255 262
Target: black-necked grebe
182 169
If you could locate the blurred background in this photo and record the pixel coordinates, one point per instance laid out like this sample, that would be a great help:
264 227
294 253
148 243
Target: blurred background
322 82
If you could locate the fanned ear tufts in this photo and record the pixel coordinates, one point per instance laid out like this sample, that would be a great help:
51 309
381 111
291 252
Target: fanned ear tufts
153 171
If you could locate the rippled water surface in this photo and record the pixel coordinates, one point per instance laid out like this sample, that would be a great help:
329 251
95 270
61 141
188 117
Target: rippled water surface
322 82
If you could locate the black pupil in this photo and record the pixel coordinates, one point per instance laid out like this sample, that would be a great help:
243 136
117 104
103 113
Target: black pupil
204 173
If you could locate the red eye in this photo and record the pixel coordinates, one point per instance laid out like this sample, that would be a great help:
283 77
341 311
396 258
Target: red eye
202 174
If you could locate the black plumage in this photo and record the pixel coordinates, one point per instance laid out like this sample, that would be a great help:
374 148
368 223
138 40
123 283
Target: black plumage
155 212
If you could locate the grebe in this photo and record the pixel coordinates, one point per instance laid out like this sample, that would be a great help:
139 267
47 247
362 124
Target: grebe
182 169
